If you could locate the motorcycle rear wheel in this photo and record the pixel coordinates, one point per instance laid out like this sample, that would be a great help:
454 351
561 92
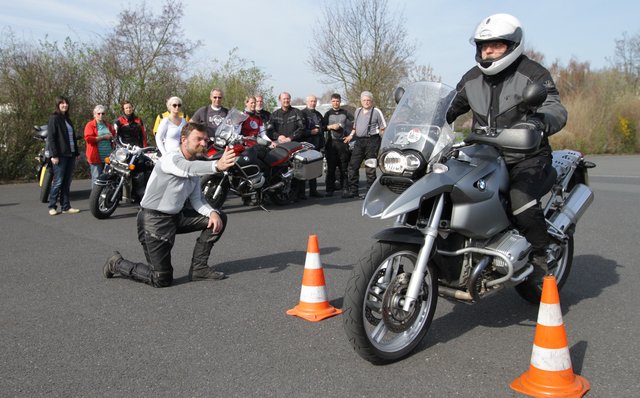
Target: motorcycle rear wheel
531 291
375 324
283 195
209 184
46 179
100 202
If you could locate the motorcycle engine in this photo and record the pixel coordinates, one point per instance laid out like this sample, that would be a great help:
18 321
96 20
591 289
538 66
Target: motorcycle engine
514 246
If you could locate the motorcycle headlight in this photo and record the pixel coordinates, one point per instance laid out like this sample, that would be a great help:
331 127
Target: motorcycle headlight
400 163
120 155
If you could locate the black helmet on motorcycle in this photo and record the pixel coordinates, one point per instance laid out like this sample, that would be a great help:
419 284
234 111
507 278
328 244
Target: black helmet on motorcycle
498 27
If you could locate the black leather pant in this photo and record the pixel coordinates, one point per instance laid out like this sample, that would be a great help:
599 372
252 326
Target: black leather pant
526 178
156 233
337 153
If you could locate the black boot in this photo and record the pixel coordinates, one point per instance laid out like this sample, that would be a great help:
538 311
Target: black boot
111 266
205 274
540 268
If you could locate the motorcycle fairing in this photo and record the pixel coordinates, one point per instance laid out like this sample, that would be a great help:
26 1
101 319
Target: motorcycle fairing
380 204
477 210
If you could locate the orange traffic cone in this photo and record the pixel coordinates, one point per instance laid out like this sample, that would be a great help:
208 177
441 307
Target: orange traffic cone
550 373
313 304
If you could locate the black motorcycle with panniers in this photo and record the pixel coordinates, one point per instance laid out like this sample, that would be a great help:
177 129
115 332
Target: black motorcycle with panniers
260 173
126 170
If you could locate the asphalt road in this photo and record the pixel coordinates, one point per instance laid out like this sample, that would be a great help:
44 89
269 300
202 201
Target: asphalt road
66 331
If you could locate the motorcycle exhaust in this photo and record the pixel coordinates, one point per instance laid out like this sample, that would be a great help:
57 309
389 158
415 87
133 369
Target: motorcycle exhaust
574 207
275 186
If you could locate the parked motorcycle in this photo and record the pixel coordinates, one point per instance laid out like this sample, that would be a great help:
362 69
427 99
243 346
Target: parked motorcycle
453 235
44 171
260 173
127 169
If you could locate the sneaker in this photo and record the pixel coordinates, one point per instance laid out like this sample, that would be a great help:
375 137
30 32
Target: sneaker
71 210
53 212
207 274
110 267
316 194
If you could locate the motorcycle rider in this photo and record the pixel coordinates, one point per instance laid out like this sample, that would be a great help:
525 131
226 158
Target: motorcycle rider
129 127
315 137
163 213
212 115
338 122
500 74
288 124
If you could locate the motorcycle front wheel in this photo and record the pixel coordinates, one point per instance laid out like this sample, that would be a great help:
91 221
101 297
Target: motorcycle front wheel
531 290
209 185
101 201
46 179
377 327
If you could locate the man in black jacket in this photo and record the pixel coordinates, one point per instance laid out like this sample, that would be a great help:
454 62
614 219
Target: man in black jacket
315 136
494 85
288 124
338 122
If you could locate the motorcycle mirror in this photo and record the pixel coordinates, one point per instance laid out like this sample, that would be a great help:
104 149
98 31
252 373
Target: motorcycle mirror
534 95
397 94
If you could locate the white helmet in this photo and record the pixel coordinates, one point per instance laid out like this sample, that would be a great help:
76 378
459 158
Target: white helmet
499 27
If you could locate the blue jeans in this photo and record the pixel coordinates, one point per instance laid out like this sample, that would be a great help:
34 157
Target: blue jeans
62 175
96 170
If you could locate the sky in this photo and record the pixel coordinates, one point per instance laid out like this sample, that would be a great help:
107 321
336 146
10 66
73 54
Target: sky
276 35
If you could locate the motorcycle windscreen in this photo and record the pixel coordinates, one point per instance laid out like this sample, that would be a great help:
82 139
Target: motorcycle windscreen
419 121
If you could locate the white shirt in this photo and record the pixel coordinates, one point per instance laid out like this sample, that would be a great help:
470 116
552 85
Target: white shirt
168 135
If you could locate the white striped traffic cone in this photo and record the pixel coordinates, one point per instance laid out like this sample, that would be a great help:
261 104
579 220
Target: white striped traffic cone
550 373
313 304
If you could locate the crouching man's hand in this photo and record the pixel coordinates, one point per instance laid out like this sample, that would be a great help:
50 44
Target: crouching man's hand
215 222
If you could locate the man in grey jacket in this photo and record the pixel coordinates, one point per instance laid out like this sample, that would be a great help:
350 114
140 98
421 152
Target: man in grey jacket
491 90
162 215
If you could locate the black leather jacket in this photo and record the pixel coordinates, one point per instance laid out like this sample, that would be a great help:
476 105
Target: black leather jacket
490 95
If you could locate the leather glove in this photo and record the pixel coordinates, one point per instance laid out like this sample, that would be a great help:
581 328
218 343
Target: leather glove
532 123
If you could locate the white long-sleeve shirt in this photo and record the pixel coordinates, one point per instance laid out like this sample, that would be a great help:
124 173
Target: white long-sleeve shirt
168 135
173 180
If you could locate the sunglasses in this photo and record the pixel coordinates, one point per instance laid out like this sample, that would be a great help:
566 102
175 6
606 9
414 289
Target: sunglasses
217 97
176 105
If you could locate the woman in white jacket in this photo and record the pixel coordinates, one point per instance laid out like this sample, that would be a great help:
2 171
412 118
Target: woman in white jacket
168 134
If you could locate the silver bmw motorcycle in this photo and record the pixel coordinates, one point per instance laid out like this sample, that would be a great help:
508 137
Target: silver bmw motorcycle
452 233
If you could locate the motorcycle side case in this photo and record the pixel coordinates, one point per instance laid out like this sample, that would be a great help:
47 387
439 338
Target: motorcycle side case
307 165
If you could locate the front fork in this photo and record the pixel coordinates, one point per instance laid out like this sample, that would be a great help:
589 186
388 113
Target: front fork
218 191
417 277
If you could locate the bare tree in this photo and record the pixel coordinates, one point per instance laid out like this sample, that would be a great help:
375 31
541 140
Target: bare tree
423 73
362 45
140 60
627 59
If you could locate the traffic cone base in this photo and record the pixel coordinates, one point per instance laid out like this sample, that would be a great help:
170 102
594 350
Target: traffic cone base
314 312
550 373
313 305
541 383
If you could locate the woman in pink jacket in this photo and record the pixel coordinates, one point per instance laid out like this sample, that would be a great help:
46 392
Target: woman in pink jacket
98 134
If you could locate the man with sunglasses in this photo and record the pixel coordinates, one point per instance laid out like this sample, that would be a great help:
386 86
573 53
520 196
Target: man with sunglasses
212 115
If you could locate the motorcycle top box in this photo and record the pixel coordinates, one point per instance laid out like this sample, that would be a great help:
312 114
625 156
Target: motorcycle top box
307 165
